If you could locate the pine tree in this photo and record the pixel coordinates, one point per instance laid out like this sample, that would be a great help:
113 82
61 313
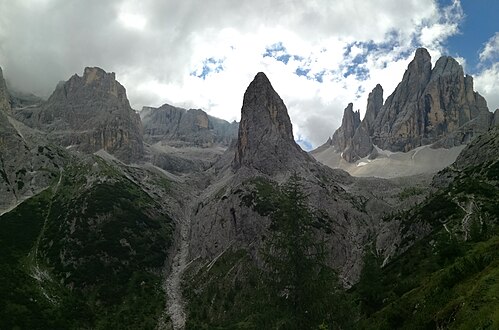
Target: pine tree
369 287
305 287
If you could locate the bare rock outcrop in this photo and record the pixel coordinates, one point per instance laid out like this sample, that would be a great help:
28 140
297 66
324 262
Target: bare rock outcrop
192 127
90 113
361 144
265 139
27 164
227 216
429 106
342 138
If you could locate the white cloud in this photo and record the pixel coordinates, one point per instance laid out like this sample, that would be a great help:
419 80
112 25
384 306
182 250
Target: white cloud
486 83
491 49
133 21
155 47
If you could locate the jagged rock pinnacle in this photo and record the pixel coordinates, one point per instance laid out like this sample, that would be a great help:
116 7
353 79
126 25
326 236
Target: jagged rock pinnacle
361 143
429 106
265 139
343 135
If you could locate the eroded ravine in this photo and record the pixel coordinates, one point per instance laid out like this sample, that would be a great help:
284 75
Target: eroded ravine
175 304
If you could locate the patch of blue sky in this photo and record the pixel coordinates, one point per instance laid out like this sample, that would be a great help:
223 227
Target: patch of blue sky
302 71
273 49
478 26
280 53
210 65
369 47
283 58
319 77
357 69
354 67
304 143
359 92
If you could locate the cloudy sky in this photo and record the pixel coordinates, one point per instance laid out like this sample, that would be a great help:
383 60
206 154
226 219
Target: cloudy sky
319 54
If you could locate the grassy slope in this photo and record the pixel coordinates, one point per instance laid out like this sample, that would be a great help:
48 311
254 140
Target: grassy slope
232 292
100 254
22 303
450 279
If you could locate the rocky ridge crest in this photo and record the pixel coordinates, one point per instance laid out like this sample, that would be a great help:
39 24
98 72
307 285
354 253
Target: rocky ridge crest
186 127
429 106
90 113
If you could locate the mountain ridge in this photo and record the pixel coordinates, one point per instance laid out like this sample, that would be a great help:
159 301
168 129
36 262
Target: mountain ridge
429 106
89 113
112 235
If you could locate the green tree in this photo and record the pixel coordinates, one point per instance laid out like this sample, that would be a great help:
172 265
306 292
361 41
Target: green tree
370 288
477 230
448 248
305 288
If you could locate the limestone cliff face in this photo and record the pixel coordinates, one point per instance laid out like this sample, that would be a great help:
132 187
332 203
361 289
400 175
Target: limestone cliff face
429 106
265 138
190 127
399 123
361 143
90 113
227 216
342 138
27 164
4 95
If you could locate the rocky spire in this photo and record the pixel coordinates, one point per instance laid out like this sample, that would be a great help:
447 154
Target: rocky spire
4 95
374 104
343 136
429 106
397 126
265 138
361 144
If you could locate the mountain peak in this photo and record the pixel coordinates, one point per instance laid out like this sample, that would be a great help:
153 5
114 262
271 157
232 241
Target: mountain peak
418 73
94 82
344 134
89 113
265 138
422 53
429 106
445 66
91 74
